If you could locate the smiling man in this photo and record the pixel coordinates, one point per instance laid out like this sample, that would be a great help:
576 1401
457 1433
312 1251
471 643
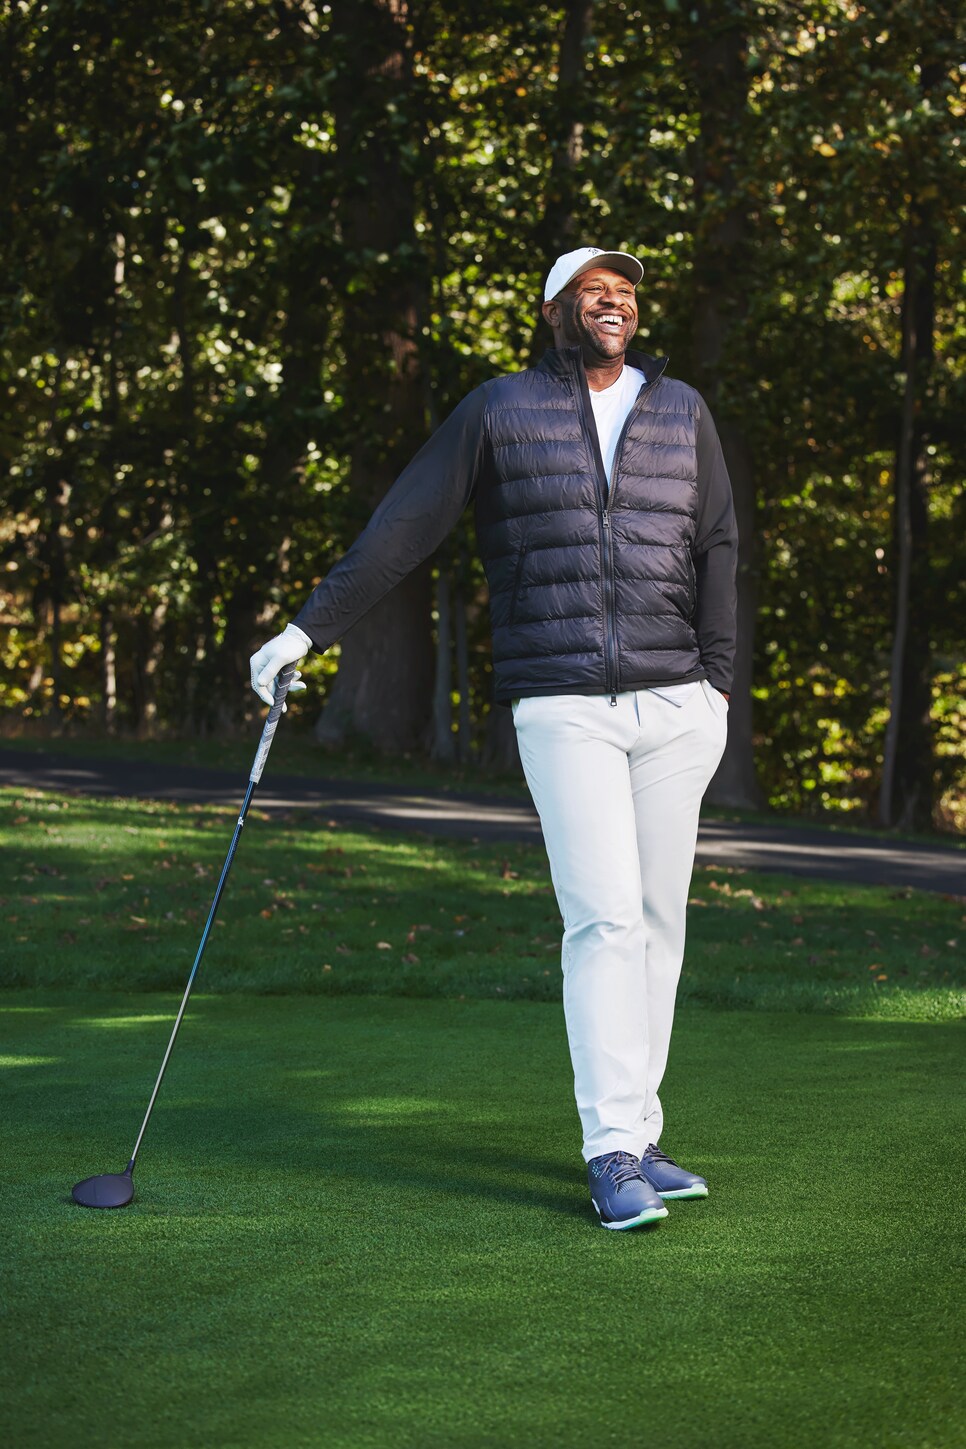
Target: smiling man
605 524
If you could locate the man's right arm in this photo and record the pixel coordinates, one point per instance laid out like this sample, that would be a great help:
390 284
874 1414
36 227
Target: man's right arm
420 509
417 513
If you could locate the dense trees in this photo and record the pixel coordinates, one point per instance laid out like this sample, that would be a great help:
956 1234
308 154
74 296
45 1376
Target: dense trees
252 252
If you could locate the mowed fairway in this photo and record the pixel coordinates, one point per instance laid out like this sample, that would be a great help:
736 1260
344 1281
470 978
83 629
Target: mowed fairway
360 1222
361 1219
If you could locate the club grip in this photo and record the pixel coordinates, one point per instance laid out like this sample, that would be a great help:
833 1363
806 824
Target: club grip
282 681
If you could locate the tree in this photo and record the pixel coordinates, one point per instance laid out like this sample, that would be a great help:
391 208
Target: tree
723 351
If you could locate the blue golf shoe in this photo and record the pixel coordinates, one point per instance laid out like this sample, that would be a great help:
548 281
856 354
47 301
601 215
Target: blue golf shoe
622 1197
667 1179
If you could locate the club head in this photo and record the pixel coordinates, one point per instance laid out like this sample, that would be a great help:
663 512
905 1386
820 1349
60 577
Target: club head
109 1190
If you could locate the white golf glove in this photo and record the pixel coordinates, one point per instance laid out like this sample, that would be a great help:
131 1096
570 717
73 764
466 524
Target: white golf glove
286 648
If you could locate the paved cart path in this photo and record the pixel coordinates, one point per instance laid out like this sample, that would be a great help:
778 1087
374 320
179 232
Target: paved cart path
798 850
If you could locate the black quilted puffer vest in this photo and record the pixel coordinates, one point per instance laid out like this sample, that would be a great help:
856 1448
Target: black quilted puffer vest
592 591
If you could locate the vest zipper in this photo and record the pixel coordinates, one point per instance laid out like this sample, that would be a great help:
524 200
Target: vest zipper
604 499
611 680
608 535
610 610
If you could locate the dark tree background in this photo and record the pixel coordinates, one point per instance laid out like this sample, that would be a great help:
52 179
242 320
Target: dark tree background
253 252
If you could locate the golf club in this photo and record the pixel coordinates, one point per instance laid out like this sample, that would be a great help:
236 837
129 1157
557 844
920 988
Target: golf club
116 1189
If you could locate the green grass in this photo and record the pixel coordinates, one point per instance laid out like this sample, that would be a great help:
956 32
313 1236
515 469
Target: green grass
362 1224
113 895
361 1219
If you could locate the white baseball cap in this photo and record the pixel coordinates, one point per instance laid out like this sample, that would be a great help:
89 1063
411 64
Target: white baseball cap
568 266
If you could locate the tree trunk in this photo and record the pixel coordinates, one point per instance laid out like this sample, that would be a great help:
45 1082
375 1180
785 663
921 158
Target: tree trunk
56 660
556 232
150 653
500 750
443 743
108 671
908 767
735 782
715 55
383 689
58 496
465 719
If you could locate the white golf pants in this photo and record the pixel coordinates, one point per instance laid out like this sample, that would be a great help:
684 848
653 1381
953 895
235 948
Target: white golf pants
618 789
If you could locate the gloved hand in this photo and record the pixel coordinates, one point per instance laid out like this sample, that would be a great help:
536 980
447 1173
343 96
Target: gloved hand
286 648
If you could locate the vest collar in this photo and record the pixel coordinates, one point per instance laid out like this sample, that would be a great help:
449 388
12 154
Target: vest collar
568 362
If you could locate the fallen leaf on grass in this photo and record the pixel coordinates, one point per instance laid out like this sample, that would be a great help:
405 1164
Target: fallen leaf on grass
383 946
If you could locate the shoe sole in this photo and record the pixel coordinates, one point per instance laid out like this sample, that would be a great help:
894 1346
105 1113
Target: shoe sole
653 1215
684 1192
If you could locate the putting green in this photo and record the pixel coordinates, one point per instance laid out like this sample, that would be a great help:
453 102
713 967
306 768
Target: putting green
363 1222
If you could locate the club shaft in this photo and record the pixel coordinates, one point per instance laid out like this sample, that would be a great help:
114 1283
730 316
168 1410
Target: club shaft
268 733
239 826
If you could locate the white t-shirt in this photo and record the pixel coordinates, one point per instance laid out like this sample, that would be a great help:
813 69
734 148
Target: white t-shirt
611 407
610 412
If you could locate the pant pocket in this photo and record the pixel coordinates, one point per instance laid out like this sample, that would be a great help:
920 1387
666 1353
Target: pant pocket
717 701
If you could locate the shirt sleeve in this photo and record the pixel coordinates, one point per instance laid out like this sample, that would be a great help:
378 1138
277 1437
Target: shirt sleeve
715 558
417 513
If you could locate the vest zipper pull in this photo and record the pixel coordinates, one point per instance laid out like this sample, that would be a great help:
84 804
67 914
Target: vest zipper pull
613 701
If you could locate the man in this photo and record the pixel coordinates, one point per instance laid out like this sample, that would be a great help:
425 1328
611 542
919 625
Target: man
605 524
